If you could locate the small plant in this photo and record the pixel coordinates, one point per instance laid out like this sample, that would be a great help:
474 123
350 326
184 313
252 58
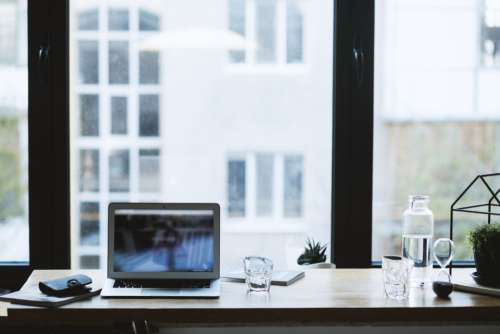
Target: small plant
485 242
314 252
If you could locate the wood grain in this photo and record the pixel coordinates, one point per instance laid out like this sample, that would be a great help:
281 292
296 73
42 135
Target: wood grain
324 296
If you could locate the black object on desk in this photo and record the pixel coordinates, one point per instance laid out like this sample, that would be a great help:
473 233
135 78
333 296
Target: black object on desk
73 285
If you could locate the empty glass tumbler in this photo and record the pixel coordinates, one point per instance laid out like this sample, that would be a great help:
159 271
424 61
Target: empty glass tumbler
396 271
258 273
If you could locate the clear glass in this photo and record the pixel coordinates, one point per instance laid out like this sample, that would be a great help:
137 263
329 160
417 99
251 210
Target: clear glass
418 230
14 228
396 272
437 111
444 251
170 104
258 273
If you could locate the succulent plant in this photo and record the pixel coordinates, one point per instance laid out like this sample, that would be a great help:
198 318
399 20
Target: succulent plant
485 241
314 252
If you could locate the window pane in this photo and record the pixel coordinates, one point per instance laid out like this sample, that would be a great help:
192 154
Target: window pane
265 178
89 223
237 25
88 19
436 116
200 130
119 171
119 115
88 58
89 115
294 32
148 21
14 229
149 67
149 115
89 170
118 19
149 170
236 188
293 186
89 262
118 62
266 30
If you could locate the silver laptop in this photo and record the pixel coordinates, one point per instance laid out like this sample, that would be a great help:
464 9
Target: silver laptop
163 250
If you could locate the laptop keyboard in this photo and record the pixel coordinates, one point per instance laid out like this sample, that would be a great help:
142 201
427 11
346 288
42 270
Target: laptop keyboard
163 284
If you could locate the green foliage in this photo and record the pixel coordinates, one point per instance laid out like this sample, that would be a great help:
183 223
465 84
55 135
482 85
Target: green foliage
314 252
485 241
484 236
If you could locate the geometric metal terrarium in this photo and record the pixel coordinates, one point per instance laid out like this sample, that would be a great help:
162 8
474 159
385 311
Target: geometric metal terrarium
487 204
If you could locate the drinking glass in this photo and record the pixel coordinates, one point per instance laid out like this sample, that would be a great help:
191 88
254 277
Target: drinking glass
396 271
258 273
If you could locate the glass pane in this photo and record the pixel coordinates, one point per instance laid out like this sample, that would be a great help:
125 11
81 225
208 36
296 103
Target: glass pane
88 19
119 115
14 229
118 62
149 67
118 19
294 33
119 171
149 170
265 177
236 188
148 21
237 24
149 115
200 129
436 116
89 170
293 185
89 223
266 30
89 115
88 59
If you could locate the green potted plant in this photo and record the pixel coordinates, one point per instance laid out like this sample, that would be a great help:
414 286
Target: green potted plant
485 242
314 254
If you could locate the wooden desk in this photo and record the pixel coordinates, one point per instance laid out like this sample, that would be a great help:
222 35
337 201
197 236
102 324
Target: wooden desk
323 297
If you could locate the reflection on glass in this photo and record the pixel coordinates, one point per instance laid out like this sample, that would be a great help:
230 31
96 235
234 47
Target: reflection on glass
118 62
89 223
237 21
119 115
294 32
149 170
148 21
236 188
89 170
89 115
119 171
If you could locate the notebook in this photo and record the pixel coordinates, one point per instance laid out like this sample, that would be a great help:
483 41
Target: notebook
31 296
283 278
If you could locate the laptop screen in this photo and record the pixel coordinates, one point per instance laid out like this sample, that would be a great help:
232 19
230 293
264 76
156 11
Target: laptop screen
161 241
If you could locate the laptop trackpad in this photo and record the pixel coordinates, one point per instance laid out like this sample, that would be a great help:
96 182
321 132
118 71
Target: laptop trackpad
158 292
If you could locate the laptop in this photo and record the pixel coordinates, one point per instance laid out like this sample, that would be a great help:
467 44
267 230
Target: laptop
163 250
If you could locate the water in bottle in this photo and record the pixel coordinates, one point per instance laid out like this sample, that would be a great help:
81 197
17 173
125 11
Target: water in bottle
418 229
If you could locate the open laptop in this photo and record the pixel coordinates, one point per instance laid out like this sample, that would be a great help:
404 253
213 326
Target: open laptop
163 250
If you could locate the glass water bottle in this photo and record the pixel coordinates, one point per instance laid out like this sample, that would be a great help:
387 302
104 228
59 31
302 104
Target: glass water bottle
418 229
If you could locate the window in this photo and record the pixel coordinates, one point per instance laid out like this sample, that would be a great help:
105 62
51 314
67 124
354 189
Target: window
236 188
119 171
89 64
149 106
436 117
149 170
270 31
118 19
89 170
119 115
149 67
175 127
89 223
88 19
89 111
118 62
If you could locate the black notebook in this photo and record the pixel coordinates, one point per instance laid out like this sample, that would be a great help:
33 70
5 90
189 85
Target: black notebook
279 277
32 296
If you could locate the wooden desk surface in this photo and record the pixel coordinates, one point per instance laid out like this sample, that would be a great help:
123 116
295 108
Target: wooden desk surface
323 297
